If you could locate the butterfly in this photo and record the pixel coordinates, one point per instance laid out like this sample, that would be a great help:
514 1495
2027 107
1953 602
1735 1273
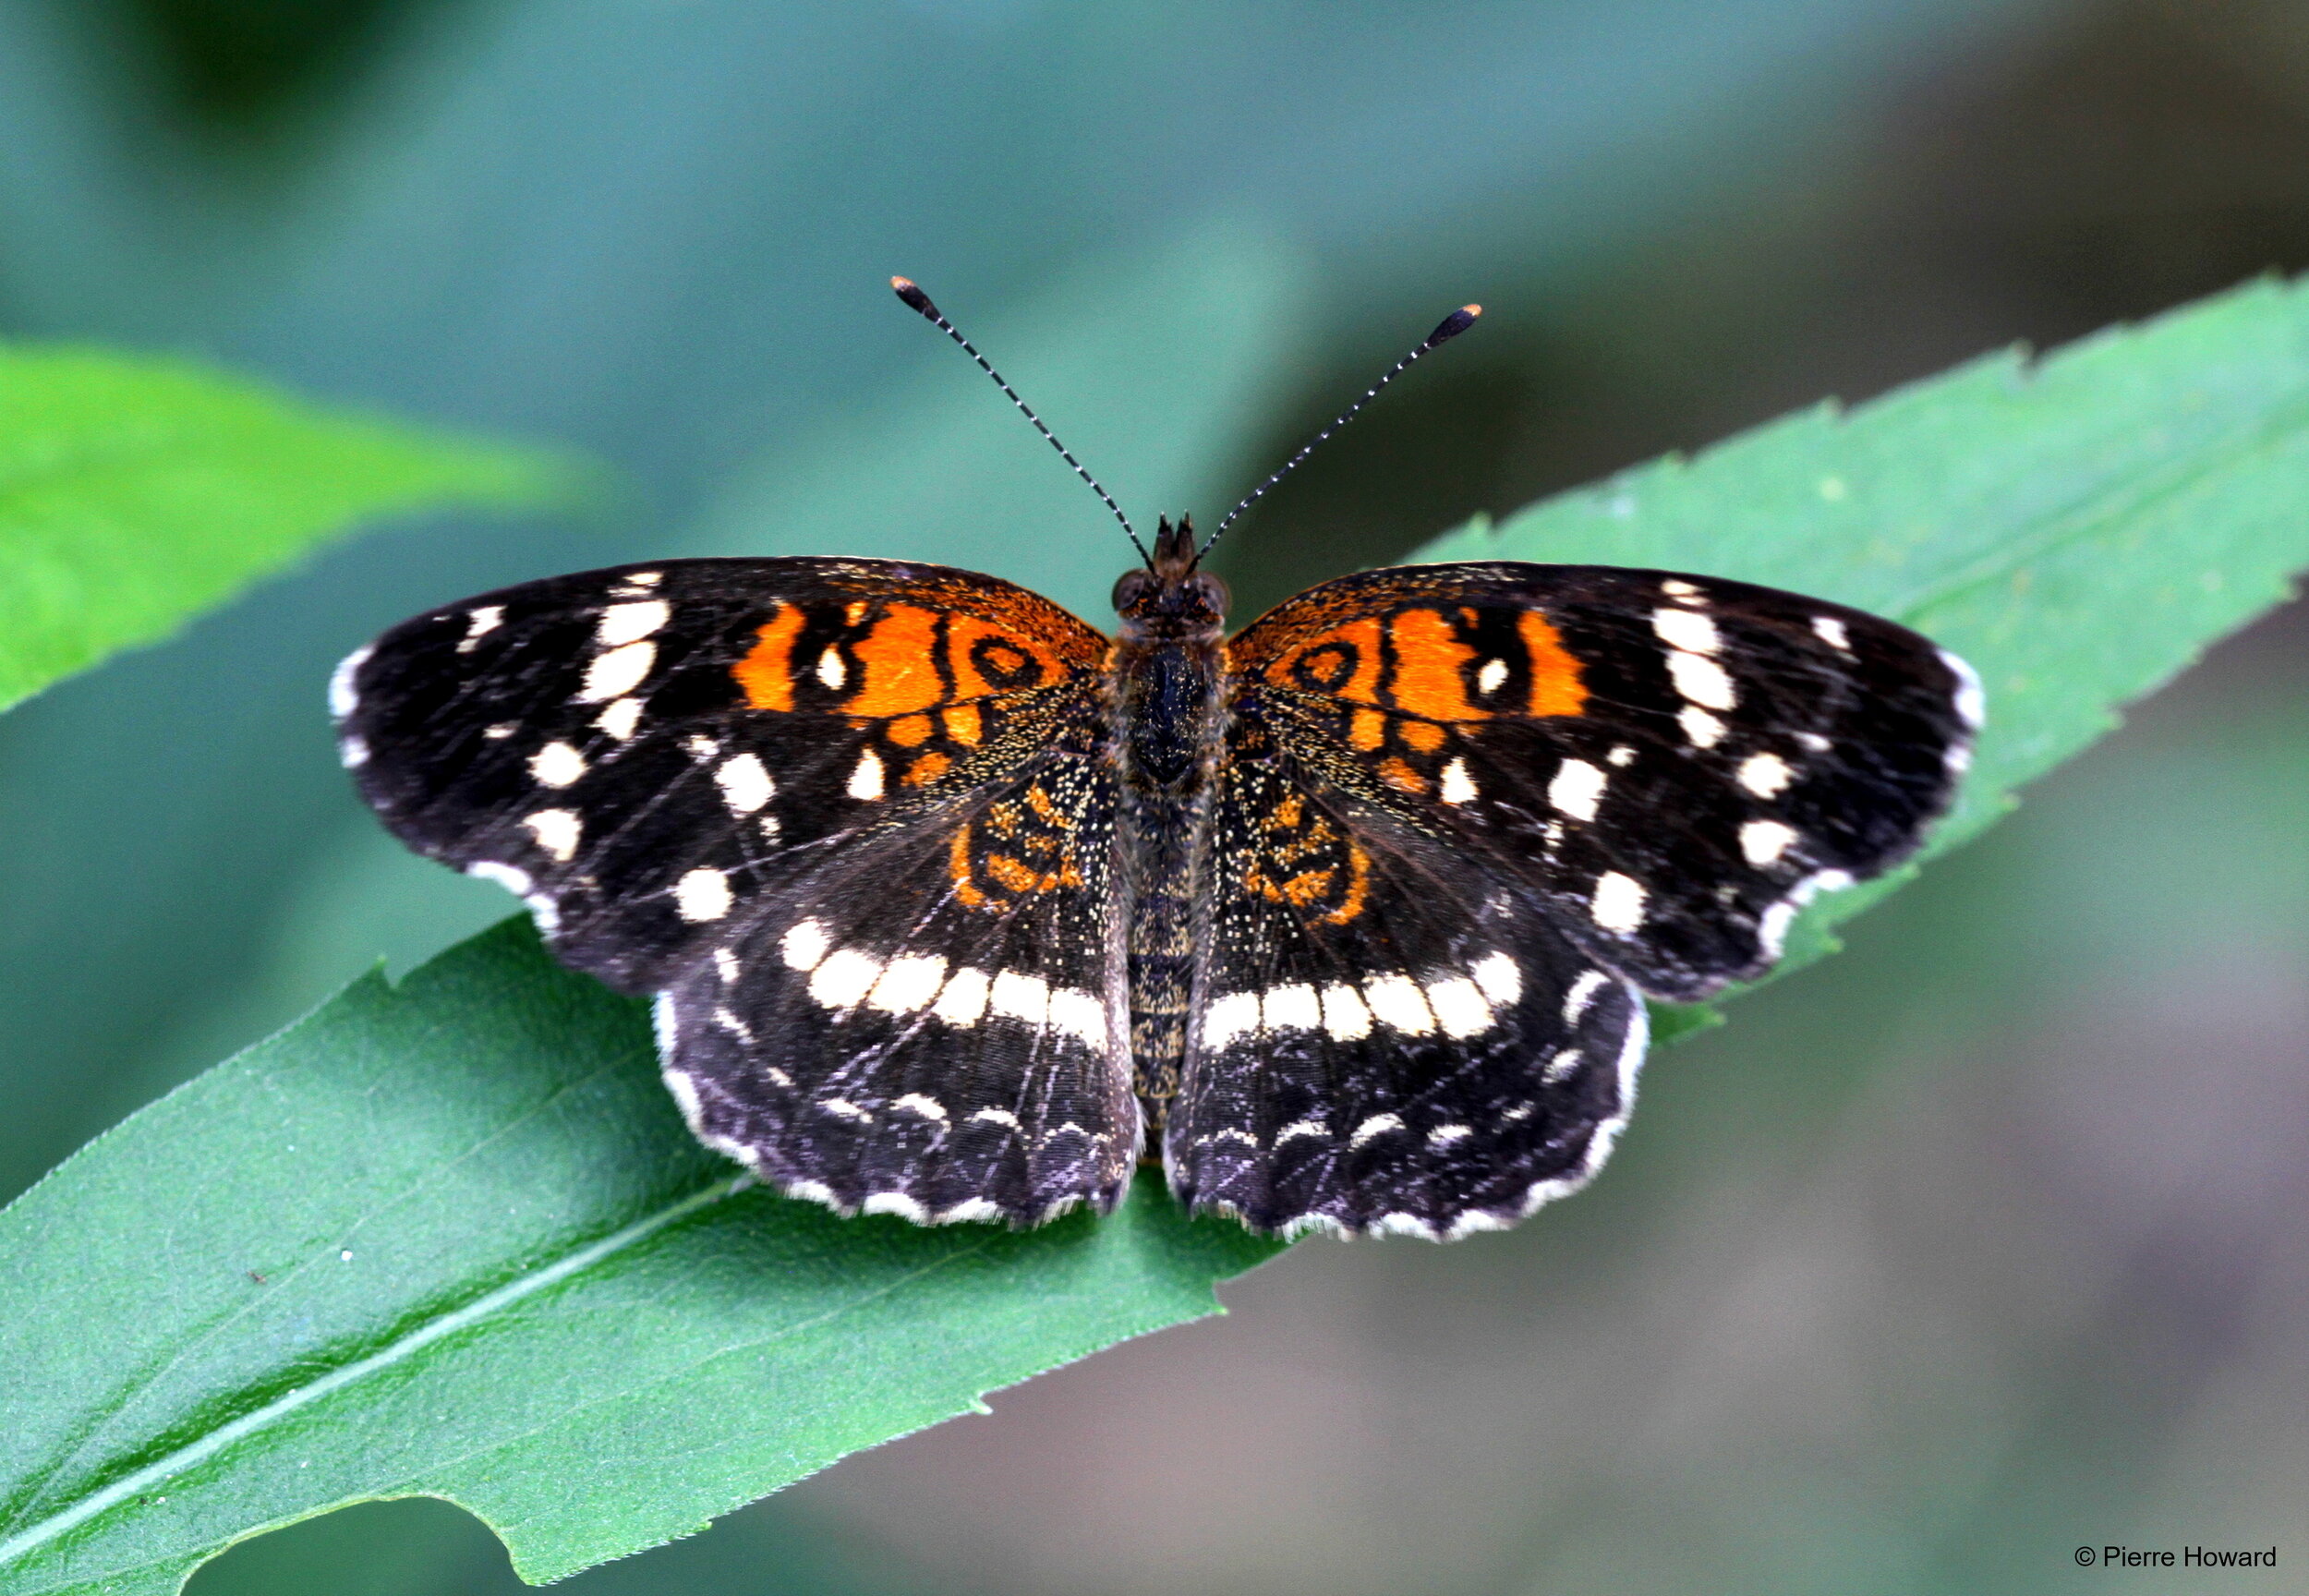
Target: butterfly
954 907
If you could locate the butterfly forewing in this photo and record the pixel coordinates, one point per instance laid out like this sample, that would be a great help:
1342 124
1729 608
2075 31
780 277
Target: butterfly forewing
1676 763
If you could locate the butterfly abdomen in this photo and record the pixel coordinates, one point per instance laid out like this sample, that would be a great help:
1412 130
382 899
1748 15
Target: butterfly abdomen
1171 714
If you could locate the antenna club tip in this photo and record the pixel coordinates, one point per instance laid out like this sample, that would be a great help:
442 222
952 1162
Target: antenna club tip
1451 326
914 297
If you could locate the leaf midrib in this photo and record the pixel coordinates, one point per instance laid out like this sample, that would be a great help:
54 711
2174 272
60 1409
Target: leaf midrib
432 1176
37 1535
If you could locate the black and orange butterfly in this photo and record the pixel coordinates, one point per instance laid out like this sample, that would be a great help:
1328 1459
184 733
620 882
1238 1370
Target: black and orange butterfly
955 907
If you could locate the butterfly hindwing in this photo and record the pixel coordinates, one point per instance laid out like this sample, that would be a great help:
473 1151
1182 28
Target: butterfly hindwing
932 1021
1678 763
1391 1036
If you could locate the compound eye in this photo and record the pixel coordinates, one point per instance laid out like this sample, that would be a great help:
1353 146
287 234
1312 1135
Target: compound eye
1213 591
1130 589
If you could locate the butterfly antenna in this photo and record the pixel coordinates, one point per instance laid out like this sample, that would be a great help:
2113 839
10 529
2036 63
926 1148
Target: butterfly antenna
1450 327
920 302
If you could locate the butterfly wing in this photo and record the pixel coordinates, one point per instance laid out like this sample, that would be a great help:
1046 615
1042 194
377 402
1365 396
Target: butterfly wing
1675 762
1391 1035
696 771
1469 815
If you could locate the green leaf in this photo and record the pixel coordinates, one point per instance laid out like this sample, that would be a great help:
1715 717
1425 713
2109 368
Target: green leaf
450 1240
136 492
2078 528
453 1240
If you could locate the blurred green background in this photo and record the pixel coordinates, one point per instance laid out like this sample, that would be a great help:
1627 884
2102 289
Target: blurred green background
1977 1243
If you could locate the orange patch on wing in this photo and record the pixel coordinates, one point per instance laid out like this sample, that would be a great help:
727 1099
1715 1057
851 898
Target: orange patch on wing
1396 773
969 640
767 672
1343 662
1424 736
901 671
1428 659
929 768
911 731
958 869
963 723
1368 729
1556 686
1358 888
1020 878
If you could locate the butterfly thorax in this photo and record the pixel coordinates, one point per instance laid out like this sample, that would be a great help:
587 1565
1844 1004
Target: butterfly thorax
1169 676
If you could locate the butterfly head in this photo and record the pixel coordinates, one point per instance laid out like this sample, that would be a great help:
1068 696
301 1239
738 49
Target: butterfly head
1169 599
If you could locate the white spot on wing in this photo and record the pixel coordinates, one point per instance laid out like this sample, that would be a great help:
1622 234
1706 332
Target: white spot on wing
1701 680
1701 729
1622 755
831 668
896 1202
1459 1008
480 621
1686 629
1296 1007
1812 742
1562 1065
915 1103
701 895
1445 1135
617 672
1766 775
1972 705
1683 592
844 978
996 1117
557 832
962 1000
1346 1017
745 785
1491 677
726 964
805 945
556 765
1763 841
1582 993
909 981
1832 632
866 781
1316 1128
351 753
1237 1014
1618 904
344 698
511 877
1500 979
1457 787
1578 789
622 624
1399 1002
1376 1126
620 719
1020 996
847 1109
1080 1015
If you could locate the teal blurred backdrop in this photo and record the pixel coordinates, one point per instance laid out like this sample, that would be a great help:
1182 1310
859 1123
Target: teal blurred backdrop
1977 1243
